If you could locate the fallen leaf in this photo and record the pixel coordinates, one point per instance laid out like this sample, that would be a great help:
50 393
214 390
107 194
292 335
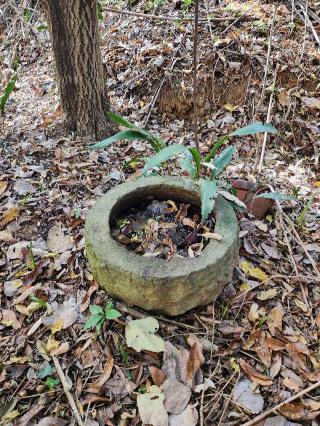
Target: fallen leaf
253 313
196 358
313 103
274 320
177 395
189 417
291 380
51 421
263 351
151 408
275 365
157 375
298 412
254 374
9 216
3 187
207 384
267 294
279 421
9 319
63 317
211 236
140 335
57 241
253 272
23 187
244 395
96 386
175 362
301 305
283 97
6 236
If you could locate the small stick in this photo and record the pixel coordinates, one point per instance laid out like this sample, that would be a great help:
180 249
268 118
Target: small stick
165 18
66 388
265 137
287 401
195 74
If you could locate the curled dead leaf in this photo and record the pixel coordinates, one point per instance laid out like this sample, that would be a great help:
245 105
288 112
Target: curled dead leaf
254 375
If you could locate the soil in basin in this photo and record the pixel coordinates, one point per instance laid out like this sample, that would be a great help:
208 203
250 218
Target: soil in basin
164 229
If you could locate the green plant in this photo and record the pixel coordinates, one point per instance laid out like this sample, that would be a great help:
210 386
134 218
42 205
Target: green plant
51 383
210 184
302 216
100 315
7 92
134 133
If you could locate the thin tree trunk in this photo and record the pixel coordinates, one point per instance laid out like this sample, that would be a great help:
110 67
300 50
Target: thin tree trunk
75 42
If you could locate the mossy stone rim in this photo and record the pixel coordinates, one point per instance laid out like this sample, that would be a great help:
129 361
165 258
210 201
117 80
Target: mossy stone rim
169 286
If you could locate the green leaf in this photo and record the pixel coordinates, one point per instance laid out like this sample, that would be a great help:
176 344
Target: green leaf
215 148
124 355
93 321
140 335
96 310
45 371
197 158
221 162
275 196
129 135
52 383
187 165
111 313
302 216
42 28
164 155
208 194
36 299
118 119
8 90
254 128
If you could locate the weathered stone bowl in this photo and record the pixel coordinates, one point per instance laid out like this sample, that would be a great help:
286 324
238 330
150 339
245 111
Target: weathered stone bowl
170 287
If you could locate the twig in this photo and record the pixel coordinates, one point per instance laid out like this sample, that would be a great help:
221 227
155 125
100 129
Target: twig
166 18
66 388
265 136
307 21
238 19
277 407
195 74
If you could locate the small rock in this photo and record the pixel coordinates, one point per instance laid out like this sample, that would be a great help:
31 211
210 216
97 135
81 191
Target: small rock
243 394
115 175
22 187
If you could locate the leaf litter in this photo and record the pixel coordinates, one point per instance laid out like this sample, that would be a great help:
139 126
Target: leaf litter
51 183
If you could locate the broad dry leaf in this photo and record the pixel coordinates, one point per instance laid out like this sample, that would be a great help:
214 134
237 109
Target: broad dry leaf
177 395
291 380
51 421
279 421
140 335
283 97
23 187
189 417
151 408
267 294
263 351
253 313
253 272
301 305
6 236
313 103
9 216
57 241
254 374
244 395
96 386
276 365
297 411
63 317
274 320
9 319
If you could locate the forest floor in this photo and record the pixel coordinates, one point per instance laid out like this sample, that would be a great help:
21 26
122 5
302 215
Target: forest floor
258 344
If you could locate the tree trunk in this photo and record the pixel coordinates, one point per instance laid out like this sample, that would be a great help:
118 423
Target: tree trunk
75 42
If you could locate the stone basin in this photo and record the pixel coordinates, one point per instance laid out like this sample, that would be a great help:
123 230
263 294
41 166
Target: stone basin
170 287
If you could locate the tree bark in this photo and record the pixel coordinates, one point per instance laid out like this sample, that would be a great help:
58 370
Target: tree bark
75 43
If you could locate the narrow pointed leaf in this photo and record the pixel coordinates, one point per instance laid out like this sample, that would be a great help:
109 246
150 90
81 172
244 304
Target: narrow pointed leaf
8 90
118 119
197 158
164 155
254 128
221 162
129 135
208 194
215 148
275 196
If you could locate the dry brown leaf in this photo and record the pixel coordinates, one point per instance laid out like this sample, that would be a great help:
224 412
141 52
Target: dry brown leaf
96 386
86 300
3 187
9 319
276 365
9 216
283 97
297 412
275 344
263 351
275 319
177 395
254 374
291 380
196 358
157 375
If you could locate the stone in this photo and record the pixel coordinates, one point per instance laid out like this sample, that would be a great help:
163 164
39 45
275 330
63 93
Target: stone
168 287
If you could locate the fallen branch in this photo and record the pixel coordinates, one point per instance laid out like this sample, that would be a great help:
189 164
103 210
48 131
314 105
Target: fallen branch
277 407
66 388
164 18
